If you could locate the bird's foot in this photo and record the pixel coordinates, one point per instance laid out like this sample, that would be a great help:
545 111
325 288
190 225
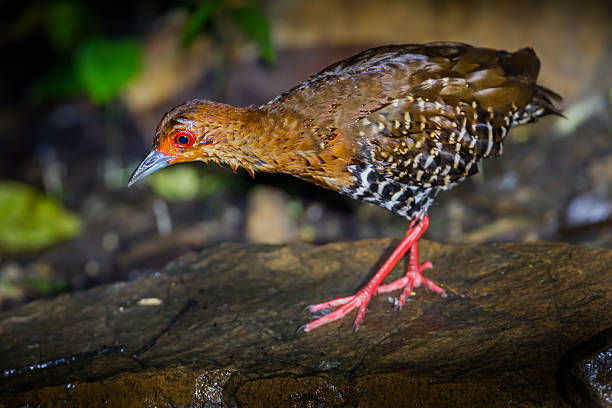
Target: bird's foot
362 298
359 300
411 280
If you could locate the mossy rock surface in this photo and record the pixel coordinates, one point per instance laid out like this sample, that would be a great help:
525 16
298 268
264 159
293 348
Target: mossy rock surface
218 329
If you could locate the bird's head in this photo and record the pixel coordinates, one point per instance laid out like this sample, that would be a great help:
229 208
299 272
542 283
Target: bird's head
197 131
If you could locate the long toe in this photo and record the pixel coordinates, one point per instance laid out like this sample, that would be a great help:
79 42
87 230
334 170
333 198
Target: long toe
339 313
329 304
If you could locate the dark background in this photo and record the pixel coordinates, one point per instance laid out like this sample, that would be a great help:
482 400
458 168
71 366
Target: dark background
84 84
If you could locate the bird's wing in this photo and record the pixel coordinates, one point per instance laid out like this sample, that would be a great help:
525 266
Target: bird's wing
450 118
423 143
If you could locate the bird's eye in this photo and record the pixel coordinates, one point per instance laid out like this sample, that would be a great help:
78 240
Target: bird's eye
184 138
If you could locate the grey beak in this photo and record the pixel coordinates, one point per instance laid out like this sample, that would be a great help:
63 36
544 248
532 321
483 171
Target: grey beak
153 162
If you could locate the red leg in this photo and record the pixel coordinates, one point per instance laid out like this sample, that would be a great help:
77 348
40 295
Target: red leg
362 298
412 279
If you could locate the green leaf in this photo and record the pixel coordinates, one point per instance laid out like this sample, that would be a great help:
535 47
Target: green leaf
105 66
255 25
196 21
64 21
31 220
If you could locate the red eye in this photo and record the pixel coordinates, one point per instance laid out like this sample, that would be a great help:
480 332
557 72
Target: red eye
184 138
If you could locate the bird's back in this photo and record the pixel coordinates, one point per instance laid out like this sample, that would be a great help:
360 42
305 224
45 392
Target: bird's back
352 88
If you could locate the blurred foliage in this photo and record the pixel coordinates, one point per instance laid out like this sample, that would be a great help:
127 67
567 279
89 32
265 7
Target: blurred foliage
8 290
295 207
105 66
64 22
46 286
31 220
176 183
85 60
198 19
187 182
83 56
254 24
249 19
60 82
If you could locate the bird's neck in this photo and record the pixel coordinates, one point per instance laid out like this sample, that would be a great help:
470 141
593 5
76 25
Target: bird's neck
284 142
264 141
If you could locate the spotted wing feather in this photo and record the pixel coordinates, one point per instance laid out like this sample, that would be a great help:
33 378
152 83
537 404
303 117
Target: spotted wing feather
423 143
459 113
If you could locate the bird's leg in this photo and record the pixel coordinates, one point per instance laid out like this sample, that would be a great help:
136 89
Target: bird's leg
412 279
362 298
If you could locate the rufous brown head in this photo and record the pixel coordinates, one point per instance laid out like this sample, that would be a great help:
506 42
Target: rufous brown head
195 131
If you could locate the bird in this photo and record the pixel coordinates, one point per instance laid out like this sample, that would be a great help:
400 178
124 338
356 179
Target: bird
391 126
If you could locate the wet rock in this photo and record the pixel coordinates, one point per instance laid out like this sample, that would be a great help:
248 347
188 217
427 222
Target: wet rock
268 219
585 374
222 331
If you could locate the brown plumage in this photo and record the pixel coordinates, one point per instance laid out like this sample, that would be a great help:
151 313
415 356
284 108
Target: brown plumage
392 125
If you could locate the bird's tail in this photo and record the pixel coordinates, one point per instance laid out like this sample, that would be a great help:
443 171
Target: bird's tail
547 100
544 102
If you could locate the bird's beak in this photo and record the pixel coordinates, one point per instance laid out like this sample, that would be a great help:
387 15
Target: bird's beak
153 162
